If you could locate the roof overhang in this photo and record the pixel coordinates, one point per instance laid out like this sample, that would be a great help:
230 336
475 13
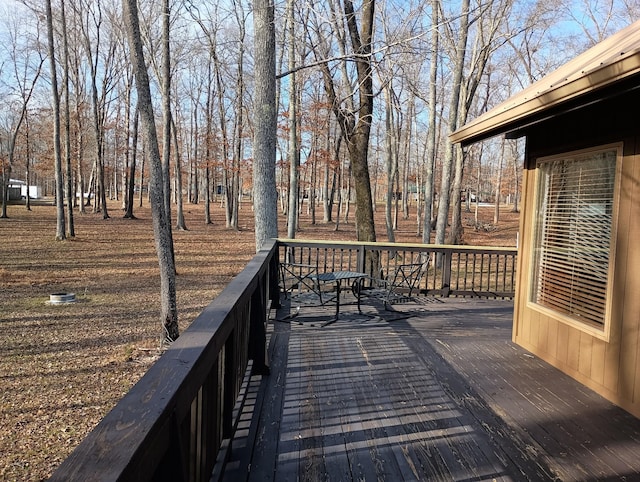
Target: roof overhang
611 61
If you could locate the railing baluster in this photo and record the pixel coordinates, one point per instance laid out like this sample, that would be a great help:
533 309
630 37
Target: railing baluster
446 271
228 400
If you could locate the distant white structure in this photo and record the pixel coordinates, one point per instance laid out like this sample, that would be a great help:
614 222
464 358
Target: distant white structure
35 192
18 190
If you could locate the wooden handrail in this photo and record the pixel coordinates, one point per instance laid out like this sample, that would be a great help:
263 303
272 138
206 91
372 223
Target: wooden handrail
171 424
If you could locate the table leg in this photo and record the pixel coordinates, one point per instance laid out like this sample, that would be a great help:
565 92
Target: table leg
358 291
335 318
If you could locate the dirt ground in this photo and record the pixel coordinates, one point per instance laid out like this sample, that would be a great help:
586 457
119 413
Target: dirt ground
62 367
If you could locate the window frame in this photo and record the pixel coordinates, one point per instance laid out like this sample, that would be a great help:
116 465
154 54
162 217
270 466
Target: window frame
598 330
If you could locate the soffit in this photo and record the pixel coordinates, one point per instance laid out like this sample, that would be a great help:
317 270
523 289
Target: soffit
612 60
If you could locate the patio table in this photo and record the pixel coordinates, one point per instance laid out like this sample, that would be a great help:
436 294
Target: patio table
338 277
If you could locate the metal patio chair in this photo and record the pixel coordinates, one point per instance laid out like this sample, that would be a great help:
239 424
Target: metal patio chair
401 282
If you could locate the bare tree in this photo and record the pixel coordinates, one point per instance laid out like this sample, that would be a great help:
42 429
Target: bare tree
596 19
230 135
294 150
78 84
60 224
165 77
355 114
265 124
391 144
132 148
489 37
92 20
454 104
232 191
67 122
180 221
166 125
161 225
26 65
498 186
431 129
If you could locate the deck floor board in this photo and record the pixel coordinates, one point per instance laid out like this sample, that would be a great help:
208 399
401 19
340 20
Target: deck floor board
435 391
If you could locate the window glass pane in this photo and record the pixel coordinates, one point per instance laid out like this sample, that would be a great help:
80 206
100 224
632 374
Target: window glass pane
573 234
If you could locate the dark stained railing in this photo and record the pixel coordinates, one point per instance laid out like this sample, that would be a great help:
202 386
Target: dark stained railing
175 423
172 423
452 271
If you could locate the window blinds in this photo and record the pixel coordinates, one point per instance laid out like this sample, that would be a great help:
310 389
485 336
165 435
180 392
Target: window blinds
573 235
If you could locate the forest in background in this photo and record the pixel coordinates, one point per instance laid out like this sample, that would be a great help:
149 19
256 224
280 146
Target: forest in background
337 103
434 65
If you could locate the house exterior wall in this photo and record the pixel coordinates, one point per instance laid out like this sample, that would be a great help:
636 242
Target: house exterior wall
609 363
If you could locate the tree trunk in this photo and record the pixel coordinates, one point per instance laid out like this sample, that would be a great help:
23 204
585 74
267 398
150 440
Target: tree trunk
6 176
98 127
313 179
456 215
347 198
233 196
67 126
454 104
294 150
223 130
60 221
340 176
161 225
27 174
408 134
431 131
265 124
132 166
167 120
355 120
207 155
141 172
195 155
180 222
358 141
392 163
498 188
326 195
476 219
79 142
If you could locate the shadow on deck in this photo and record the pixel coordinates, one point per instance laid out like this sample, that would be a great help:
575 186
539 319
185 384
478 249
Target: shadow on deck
435 391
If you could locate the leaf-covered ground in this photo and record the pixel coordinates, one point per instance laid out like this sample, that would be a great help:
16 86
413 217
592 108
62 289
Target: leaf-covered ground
63 367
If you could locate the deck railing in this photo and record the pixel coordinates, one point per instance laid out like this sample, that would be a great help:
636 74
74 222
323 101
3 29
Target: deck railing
171 425
174 424
452 270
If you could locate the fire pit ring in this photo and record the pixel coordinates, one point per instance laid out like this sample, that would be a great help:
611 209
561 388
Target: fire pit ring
60 298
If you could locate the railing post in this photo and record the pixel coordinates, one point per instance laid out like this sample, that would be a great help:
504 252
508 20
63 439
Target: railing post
229 383
362 252
447 259
274 277
257 331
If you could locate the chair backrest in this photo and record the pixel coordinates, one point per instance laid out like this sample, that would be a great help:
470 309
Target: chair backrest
408 275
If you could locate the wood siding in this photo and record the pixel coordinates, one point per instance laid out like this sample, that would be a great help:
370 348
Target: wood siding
609 363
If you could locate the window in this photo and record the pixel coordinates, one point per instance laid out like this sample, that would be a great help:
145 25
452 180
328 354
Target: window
574 224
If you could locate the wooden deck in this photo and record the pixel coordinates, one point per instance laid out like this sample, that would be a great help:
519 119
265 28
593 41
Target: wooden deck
436 391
